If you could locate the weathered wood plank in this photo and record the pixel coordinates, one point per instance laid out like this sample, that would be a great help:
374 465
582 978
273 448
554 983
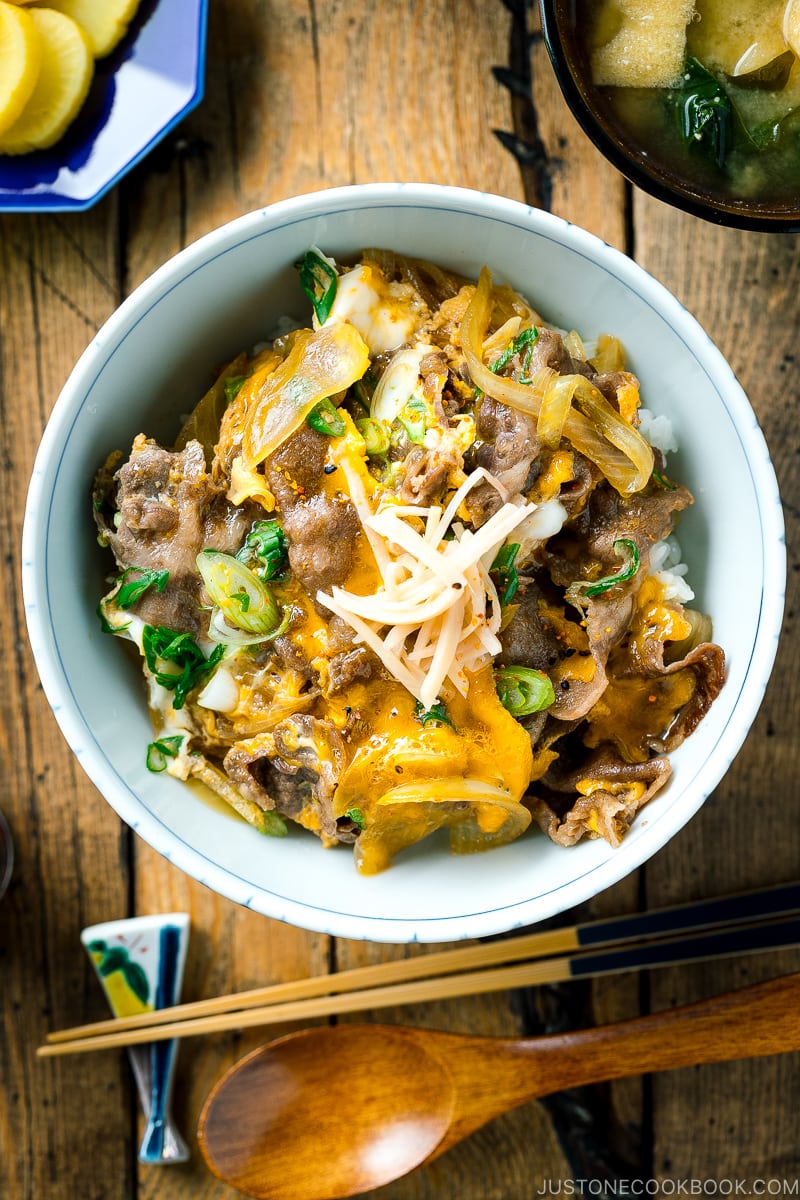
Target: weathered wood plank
59 283
736 1120
583 187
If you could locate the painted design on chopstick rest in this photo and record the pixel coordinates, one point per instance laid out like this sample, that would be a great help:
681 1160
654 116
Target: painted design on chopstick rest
139 963
124 980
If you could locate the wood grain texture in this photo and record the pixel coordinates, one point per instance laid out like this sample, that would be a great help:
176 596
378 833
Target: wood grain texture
742 287
58 286
303 95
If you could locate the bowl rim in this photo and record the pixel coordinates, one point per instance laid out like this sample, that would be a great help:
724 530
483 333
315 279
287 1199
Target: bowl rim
673 191
56 685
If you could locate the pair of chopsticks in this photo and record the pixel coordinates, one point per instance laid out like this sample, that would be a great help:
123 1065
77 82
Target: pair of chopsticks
767 919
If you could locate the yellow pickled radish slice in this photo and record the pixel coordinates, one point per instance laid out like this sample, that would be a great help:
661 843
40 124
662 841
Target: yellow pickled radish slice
20 59
105 22
64 78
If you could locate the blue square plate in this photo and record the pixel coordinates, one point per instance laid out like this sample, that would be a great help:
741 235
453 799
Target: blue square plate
140 91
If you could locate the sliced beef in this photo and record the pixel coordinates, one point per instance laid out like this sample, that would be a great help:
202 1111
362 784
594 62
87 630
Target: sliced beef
585 547
433 370
296 467
549 351
575 492
610 382
509 451
157 512
322 537
322 530
529 639
160 498
653 711
549 636
290 655
349 661
426 474
621 790
293 770
352 666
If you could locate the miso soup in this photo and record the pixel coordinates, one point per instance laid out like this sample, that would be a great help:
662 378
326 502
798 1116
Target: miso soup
710 88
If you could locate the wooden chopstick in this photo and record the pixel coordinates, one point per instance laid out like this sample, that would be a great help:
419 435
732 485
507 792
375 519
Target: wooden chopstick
779 900
720 932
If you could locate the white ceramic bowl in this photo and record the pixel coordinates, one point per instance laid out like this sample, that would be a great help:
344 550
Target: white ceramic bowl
151 361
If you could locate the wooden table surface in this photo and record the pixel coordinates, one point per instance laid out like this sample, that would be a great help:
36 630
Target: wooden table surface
303 95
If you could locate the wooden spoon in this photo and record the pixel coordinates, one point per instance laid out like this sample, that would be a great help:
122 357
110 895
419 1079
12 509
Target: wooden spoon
332 1112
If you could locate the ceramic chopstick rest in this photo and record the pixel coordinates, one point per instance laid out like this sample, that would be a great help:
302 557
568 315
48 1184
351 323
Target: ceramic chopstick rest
139 962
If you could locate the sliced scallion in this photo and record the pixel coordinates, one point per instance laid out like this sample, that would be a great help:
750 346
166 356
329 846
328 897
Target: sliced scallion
244 599
436 714
232 385
523 341
523 690
627 550
159 751
106 625
130 590
163 645
273 825
265 549
326 418
414 419
375 436
504 573
318 279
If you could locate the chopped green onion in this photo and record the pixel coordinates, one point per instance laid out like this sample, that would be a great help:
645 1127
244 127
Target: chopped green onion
265 544
318 279
436 714
158 752
232 386
244 599
663 482
357 817
414 419
130 590
626 549
374 435
526 339
523 690
504 573
104 622
226 578
161 644
326 418
273 825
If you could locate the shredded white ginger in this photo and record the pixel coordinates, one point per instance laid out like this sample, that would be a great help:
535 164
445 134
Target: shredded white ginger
437 615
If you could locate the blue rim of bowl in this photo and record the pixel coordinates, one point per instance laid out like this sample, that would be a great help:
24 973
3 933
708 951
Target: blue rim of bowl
226 882
55 202
7 862
670 189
